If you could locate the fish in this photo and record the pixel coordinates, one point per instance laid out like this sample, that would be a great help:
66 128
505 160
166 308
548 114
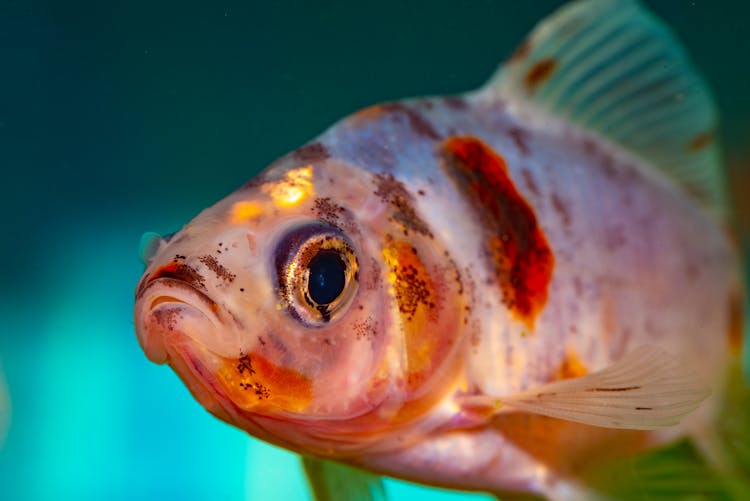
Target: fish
529 289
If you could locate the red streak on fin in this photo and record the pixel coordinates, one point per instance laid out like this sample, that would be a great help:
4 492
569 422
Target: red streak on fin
522 258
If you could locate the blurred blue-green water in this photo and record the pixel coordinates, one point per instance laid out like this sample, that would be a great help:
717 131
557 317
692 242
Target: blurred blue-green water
121 118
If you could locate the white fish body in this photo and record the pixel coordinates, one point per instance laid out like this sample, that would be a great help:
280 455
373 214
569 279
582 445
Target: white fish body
534 276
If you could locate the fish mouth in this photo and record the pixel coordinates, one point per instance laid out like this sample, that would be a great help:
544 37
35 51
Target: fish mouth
167 311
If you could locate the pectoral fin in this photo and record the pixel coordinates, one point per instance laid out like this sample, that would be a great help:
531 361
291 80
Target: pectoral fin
647 389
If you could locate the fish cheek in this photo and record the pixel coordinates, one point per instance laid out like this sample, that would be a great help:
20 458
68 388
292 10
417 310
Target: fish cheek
428 305
253 382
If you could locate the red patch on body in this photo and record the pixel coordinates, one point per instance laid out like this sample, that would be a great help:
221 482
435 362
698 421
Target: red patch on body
521 256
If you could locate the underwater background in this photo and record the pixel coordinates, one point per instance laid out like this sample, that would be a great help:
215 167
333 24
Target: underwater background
122 117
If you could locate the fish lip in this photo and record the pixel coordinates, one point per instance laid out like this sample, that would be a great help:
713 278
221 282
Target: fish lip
177 294
179 284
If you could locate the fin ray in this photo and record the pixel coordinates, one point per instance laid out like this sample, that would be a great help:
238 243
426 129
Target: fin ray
646 389
612 67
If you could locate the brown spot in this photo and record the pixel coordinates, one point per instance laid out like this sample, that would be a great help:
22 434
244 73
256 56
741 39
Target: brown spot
312 153
245 364
392 191
455 102
255 182
540 72
700 141
528 178
736 315
181 272
519 252
521 51
415 120
561 208
412 285
166 317
220 271
254 382
327 211
365 329
519 137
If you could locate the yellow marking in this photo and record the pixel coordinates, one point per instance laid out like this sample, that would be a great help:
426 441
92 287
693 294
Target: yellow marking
256 383
415 294
571 367
294 188
244 211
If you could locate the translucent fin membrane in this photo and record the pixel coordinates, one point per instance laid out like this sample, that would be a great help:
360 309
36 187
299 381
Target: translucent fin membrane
611 67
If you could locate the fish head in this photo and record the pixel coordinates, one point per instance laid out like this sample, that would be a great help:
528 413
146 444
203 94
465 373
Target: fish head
312 307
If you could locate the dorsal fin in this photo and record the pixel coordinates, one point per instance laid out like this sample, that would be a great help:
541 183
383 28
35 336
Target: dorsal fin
611 67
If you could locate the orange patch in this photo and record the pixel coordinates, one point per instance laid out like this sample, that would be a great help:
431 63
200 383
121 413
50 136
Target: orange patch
570 367
369 113
520 254
415 294
255 383
540 72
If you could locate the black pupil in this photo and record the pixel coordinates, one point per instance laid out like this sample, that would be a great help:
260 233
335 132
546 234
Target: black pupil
327 277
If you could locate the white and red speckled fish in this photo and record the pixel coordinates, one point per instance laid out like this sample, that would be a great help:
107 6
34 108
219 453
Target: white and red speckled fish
496 291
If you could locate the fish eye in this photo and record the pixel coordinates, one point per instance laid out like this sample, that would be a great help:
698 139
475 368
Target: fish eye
317 273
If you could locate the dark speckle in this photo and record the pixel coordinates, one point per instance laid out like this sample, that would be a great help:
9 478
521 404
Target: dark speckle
519 137
418 123
365 329
181 272
392 191
540 72
311 153
561 208
528 178
245 364
455 102
700 141
214 265
327 211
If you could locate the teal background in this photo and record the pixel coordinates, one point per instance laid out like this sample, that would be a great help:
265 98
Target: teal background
117 118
